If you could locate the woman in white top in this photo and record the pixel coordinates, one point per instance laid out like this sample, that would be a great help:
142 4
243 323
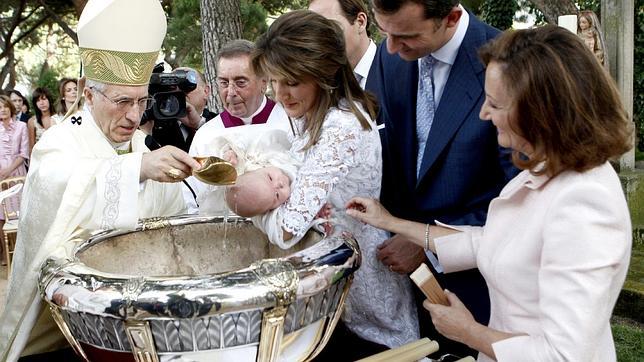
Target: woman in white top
336 141
37 125
556 246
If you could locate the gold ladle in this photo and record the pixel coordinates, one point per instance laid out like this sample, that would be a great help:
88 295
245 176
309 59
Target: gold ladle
215 171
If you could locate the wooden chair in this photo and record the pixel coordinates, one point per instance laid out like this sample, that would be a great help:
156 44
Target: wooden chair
10 194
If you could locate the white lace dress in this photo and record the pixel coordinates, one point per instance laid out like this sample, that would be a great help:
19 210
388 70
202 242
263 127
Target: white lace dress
346 162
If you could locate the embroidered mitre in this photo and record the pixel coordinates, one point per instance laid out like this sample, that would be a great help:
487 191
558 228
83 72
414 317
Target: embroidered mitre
126 53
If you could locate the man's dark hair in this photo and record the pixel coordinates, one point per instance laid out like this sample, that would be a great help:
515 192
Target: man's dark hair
434 9
351 9
16 92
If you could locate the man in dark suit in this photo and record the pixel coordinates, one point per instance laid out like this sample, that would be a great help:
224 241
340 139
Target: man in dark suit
441 162
18 101
353 18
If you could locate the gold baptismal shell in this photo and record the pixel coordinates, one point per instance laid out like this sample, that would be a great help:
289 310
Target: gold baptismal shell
215 171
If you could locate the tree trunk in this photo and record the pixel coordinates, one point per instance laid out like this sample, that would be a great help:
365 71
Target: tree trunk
220 23
79 5
61 23
551 9
6 71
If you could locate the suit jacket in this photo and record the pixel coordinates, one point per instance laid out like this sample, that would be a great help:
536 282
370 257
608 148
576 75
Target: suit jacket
169 133
557 274
373 80
24 117
463 167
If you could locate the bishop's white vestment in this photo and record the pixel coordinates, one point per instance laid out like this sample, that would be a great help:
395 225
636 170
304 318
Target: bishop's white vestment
76 179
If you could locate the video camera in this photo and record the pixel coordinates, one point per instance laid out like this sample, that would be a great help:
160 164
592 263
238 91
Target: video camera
169 92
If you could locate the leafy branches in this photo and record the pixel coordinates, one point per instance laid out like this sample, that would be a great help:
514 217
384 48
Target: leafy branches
499 13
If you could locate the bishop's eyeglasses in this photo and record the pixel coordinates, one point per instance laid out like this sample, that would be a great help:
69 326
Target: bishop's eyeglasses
125 104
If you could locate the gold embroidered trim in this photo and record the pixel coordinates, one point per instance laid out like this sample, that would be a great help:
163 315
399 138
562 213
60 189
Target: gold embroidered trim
114 67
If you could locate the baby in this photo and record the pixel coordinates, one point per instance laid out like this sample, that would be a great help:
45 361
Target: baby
265 168
258 192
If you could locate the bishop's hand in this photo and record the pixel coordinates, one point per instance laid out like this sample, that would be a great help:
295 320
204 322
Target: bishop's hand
167 164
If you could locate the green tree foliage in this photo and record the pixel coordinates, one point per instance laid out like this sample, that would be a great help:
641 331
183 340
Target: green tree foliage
275 7
473 6
254 16
529 6
48 78
21 27
499 13
182 44
594 5
638 72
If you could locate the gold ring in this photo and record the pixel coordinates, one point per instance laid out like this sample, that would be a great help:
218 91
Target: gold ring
174 173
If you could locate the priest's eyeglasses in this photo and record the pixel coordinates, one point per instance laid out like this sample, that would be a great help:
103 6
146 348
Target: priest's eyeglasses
125 104
237 83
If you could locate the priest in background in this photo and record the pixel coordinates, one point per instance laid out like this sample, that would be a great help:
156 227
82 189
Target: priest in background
243 94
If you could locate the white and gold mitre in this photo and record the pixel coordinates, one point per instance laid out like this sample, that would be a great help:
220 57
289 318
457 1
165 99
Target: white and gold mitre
120 40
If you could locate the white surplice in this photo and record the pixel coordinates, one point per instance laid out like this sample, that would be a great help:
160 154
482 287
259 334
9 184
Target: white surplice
76 179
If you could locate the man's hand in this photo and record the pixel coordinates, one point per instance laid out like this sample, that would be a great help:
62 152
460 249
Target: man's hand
167 164
400 255
192 118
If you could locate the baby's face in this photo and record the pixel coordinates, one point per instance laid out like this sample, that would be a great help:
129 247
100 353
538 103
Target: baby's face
270 186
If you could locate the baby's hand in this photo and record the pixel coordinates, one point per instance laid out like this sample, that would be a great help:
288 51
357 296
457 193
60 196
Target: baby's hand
325 213
231 157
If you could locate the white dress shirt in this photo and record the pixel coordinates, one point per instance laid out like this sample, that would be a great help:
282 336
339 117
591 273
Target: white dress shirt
446 55
362 68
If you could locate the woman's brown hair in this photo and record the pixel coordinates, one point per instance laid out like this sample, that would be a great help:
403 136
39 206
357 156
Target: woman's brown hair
302 45
567 106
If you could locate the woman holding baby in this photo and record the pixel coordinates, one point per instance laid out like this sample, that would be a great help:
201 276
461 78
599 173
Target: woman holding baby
338 147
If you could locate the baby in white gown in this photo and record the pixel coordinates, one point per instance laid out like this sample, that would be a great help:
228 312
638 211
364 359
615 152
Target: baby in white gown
265 171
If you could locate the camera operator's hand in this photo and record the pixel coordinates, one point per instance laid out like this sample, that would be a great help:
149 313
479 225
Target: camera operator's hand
167 164
147 127
192 118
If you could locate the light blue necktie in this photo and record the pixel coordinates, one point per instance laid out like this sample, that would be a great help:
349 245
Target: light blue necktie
424 106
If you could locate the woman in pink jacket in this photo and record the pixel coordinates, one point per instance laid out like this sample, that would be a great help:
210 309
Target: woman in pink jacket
14 151
556 246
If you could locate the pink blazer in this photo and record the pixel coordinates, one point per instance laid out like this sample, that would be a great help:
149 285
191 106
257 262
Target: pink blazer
554 253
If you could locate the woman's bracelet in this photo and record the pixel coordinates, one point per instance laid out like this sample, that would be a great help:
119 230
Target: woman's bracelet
427 237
